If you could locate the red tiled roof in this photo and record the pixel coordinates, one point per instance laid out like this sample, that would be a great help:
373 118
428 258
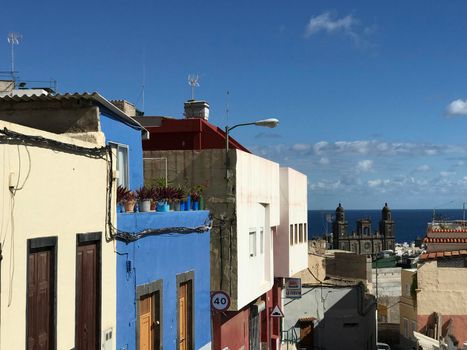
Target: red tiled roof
444 240
448 254
448 230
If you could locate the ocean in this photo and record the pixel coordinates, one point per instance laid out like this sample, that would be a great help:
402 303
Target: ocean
409 224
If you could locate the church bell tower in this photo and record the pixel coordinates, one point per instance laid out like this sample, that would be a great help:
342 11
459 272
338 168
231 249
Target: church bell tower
339 227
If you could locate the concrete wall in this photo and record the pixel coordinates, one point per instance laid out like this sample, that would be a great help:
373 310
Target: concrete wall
242 194
389 281
62 195
64 116
163 257
348 266
291 257
345 319
257 207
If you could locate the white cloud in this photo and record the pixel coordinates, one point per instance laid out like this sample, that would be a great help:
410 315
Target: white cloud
446 173
301 147
365 165
423 168
324 22
457 107
324 161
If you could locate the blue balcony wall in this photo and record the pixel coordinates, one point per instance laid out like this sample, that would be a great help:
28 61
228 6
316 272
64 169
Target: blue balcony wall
163 257
117 131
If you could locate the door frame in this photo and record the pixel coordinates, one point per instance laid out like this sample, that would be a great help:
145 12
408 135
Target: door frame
182 278
145 289
38 244
82 239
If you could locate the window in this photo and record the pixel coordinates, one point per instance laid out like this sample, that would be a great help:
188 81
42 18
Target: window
300 232
252 242
261 240
305 232
291 234
296 233
122 165
406 328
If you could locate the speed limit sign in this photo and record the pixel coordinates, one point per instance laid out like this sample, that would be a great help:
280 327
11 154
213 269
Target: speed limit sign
220 300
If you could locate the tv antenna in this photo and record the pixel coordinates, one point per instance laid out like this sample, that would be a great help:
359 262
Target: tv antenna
193 82
13 39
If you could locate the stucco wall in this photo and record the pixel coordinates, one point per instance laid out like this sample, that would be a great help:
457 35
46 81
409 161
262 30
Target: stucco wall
290 259
259 183
443 290
408 306
62 195
118 132
343 319
257 206
163 257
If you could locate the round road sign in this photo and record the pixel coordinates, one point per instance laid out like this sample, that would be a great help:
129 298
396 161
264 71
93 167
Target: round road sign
220 301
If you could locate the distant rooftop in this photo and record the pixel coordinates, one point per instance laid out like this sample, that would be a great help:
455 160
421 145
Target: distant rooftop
447 226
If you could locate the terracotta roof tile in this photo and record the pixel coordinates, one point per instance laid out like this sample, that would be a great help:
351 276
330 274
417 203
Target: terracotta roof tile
447 254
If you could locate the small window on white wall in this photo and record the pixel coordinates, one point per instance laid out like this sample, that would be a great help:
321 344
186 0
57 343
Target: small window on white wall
122 165
300 234
252 242
296 233
261 240
291 234
305 232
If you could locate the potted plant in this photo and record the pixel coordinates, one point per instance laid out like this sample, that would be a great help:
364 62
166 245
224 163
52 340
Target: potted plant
179 197
122 192
144 198
129 201
155 197
197 197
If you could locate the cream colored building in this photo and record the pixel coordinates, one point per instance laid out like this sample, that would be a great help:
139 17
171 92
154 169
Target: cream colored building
408 305
52 208
442 296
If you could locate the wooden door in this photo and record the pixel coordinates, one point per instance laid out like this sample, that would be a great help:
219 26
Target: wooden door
149 322
145 323
40 303
185 316
87 297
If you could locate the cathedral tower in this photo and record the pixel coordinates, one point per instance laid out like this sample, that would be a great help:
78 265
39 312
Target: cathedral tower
386 228
339 227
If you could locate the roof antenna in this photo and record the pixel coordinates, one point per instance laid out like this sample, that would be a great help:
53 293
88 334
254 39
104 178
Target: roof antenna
193 82
13 39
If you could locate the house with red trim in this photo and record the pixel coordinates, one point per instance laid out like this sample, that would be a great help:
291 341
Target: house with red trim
259 215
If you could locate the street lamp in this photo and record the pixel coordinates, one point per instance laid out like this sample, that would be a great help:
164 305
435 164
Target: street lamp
269 123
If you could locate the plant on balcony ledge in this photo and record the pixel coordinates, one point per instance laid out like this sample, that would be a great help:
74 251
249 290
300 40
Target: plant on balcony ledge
127 198
144 195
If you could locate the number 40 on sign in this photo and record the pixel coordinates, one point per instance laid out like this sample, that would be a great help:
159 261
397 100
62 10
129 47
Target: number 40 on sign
220 300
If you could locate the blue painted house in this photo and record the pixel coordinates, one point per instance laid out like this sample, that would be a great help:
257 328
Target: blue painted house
161 264
163 275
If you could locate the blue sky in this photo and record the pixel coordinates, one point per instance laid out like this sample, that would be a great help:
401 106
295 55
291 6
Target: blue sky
371 95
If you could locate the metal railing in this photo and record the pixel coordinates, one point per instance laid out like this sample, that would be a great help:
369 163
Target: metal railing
290 337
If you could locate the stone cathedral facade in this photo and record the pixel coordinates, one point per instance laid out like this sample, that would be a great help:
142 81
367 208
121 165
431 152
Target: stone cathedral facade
363 241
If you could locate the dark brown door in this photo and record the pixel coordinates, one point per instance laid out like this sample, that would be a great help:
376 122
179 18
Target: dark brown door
87 297
185 316
40 302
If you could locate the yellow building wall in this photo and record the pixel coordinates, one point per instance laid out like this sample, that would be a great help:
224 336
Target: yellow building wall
61 195
442 290
407 305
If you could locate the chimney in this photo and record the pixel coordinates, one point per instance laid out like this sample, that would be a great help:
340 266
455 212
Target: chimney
196 109
127 107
